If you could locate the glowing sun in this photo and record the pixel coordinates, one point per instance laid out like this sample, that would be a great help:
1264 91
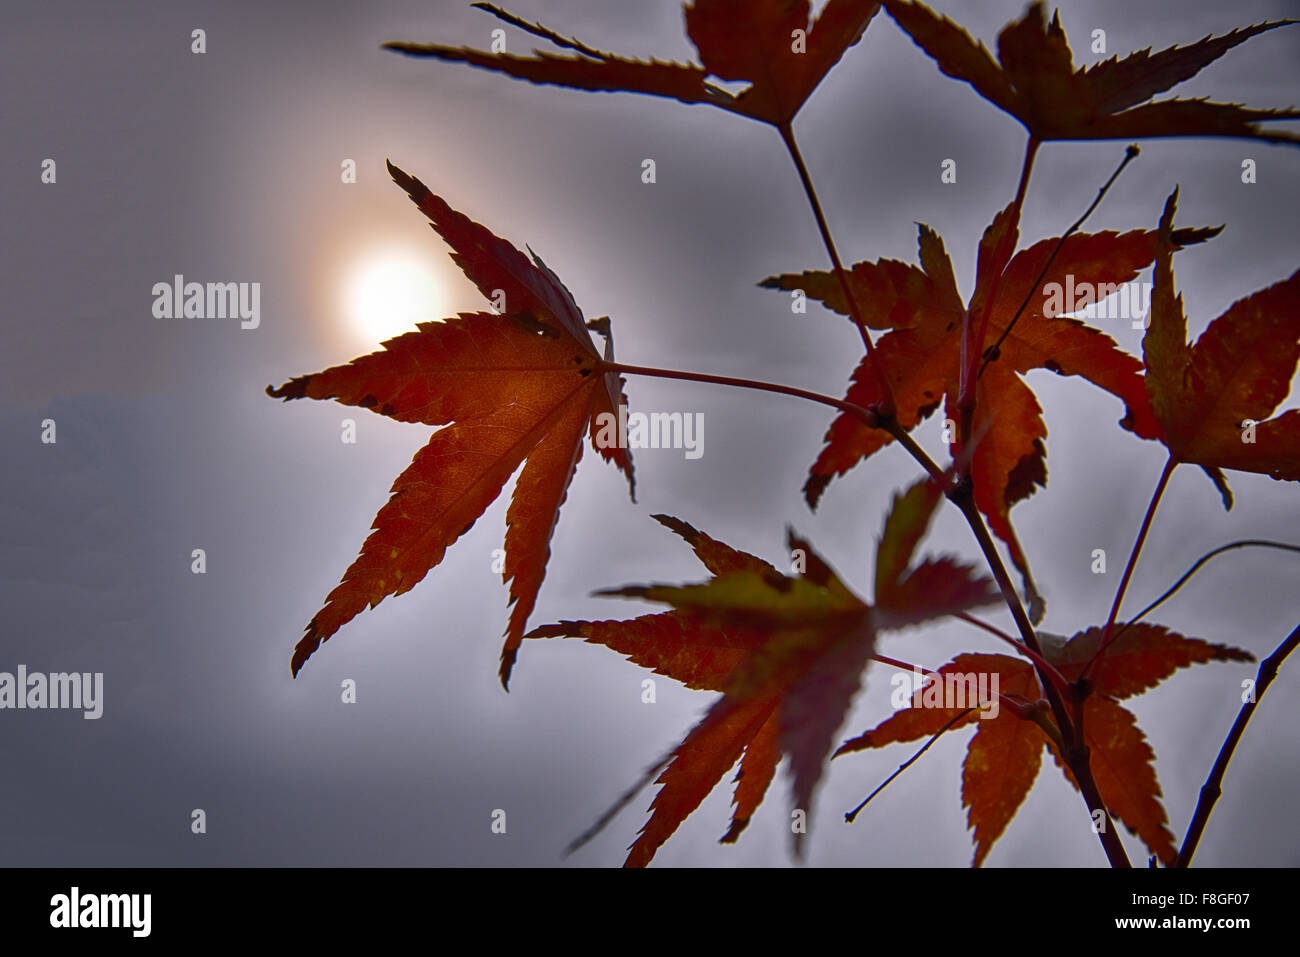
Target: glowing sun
387 296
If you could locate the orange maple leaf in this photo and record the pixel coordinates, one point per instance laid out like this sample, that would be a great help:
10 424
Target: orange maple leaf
788 654
1213 399
769 43
1003 757
519 387
921 356
1035 80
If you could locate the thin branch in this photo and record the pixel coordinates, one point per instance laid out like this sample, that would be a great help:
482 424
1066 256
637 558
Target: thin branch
849 817
890 424
964 499
1213 786
623 800
971 340
792 146
1042 663
1075 751
903 665
1169 592
866 416
991 352
991 629
1106 638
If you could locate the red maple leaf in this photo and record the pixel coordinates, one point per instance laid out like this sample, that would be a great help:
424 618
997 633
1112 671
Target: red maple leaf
1213 399
520 387
921 355
769 43
1035 80
1003 757
788 654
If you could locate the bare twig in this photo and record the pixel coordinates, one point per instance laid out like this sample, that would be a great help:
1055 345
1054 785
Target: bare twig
1213 786
792 146
848 818
866 416
991 352
1106 637
1039 661
1074 750
1196 566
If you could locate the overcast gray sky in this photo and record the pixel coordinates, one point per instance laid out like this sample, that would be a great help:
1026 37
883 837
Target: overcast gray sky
225 166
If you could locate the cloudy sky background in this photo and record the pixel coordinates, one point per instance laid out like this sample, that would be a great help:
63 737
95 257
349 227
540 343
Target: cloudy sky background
225 167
